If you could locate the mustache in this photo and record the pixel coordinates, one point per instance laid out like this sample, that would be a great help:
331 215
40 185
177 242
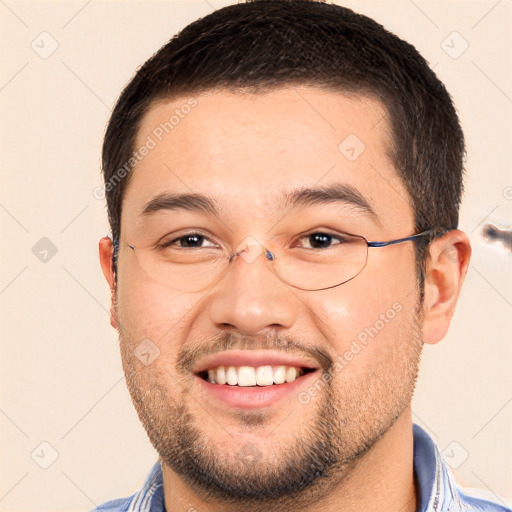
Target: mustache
189 354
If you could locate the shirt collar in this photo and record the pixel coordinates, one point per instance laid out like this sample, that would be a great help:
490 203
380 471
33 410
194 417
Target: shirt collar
150 498
437 488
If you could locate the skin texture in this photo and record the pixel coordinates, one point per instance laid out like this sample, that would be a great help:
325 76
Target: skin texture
350 446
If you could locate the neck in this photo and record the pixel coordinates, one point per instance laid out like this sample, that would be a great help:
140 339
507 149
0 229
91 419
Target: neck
382 479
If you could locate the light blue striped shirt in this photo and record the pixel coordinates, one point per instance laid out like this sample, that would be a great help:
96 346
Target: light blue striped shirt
438 491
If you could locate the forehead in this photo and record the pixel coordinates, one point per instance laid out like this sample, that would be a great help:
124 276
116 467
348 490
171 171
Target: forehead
251 149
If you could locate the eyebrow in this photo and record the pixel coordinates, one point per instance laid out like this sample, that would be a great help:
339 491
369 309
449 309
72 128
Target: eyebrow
329 194
302 197
190 202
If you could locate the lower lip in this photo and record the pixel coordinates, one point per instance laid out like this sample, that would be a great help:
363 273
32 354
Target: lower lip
252 397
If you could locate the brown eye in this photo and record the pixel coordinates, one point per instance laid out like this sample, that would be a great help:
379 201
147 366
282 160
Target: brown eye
321 240
189 241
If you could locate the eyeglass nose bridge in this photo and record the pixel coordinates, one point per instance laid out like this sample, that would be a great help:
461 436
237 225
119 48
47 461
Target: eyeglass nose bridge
253 249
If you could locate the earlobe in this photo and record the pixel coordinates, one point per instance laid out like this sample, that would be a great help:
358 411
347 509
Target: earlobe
106 250
444 276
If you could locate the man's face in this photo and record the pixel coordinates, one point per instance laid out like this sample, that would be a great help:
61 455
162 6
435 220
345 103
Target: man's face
244 152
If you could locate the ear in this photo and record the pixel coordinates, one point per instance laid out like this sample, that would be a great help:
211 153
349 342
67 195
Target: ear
106 251
445 273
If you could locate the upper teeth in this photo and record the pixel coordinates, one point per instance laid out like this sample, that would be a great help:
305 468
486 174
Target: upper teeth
252 376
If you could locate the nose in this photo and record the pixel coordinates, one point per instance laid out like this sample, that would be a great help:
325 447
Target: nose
251 297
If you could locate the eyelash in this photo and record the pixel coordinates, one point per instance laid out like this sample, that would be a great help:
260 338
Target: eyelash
169 243
166 244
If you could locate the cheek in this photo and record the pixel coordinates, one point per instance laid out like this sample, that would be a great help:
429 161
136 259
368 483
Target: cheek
374 309
150 311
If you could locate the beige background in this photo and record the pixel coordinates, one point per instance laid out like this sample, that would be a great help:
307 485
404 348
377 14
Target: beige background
61 379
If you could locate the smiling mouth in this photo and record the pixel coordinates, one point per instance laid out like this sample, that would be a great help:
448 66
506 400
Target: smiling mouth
253 376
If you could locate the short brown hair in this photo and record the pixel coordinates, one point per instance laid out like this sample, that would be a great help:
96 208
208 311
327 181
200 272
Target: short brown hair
263 44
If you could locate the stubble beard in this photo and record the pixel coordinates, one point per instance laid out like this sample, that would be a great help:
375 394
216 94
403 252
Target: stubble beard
350 414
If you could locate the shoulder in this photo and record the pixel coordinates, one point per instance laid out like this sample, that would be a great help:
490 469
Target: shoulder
150 497
117 505
439 490
482 501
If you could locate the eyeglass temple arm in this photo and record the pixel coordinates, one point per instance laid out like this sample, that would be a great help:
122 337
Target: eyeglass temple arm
406 239
269 254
